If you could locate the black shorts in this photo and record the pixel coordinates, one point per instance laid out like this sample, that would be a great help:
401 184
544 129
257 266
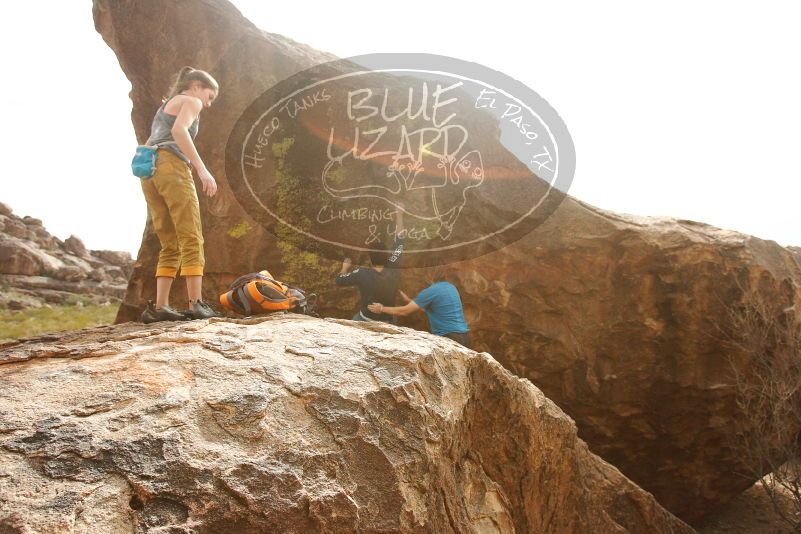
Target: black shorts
460 337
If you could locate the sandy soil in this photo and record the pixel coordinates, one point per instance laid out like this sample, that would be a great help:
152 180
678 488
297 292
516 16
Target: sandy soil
751 512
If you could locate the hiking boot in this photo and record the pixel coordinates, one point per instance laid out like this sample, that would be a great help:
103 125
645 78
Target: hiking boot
165 313
200 310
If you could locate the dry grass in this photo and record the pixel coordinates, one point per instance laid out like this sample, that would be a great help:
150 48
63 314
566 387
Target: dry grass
35 321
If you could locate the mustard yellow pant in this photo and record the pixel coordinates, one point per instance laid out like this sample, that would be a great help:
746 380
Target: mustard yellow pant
173 206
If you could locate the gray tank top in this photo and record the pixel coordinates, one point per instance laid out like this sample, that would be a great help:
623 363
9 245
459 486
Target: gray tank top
161 132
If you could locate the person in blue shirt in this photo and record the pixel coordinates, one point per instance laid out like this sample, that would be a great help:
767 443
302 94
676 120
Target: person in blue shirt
442 304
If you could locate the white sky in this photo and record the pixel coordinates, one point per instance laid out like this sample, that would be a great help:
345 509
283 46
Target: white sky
685 108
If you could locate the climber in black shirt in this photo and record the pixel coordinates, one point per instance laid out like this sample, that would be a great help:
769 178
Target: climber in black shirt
378 283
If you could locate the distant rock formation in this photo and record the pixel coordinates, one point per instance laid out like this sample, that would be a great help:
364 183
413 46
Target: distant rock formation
623 321
45 269
292 424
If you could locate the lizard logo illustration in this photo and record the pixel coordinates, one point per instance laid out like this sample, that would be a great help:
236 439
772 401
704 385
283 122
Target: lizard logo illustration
427 180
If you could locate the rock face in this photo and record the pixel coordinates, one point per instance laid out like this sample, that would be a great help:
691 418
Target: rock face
292 424
624 322
44 269
75 246
631 326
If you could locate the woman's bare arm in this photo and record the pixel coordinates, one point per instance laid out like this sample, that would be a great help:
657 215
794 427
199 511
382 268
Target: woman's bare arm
190 109
187 113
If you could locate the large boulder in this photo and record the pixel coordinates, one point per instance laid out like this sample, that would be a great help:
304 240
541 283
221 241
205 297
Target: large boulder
17 259
23 257
15 228
32 222
114 257
624 321
120 263
292 424
75 246
69 273
634 327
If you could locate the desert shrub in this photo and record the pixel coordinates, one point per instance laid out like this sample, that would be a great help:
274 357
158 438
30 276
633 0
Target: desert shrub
765 341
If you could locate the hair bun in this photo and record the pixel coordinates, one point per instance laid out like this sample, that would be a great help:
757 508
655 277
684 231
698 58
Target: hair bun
187 75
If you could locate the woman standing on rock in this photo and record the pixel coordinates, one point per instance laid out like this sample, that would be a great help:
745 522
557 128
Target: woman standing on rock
171 197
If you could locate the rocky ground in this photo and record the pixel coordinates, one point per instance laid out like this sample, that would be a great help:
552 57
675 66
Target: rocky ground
751 512
44 279
41 268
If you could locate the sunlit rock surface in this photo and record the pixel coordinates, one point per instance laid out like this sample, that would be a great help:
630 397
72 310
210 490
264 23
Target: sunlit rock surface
292 424
623 321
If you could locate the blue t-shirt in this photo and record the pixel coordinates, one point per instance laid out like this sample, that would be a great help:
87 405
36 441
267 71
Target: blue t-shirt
443 306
